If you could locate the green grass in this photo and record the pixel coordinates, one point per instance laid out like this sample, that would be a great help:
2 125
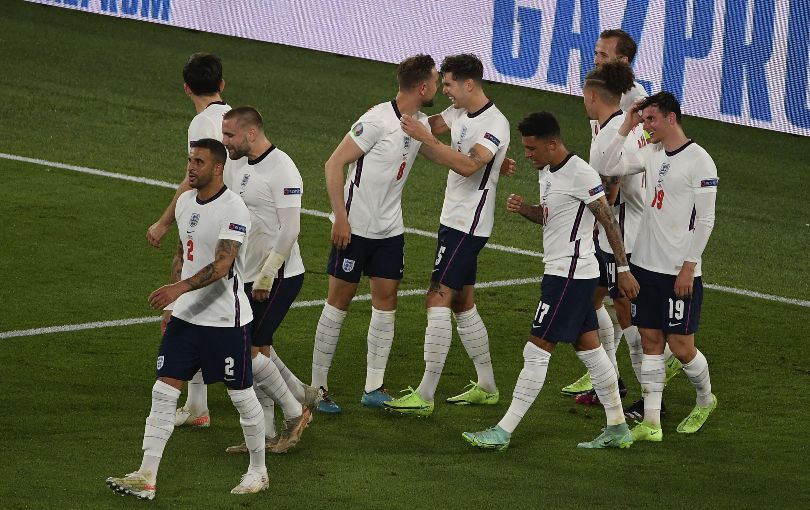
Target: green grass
106 93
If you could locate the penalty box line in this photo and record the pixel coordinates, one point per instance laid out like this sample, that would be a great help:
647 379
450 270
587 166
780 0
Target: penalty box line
424 233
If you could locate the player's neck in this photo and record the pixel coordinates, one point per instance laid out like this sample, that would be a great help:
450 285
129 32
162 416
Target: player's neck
202 102
259 147
407 104
210 189
675 140
605 111
478 100
558 156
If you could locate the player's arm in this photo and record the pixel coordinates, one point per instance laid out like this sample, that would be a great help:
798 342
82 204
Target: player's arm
533 213
290 220
437 124
224 256
612 185
614 160
346 153
444 155
174 276
159 228
704 224
603 214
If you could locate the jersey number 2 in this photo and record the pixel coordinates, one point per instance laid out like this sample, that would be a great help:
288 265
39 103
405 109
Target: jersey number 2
401 171
190 249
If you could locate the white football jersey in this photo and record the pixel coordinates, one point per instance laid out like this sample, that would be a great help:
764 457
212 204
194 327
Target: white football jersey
208 123
628 98
565 192
667 225
469 202
266 184
223 303
373 190
629 204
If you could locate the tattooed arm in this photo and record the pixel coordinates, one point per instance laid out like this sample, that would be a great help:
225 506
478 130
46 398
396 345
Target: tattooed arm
224 255
612 185
444 155
628 286
177 264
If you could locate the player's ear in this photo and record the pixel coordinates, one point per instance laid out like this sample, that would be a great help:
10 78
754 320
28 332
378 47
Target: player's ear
221 86
187 89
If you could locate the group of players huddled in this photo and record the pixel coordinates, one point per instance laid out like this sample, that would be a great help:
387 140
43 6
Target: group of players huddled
237 269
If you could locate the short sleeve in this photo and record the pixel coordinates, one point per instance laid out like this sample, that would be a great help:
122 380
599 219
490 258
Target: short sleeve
588 185
704 176
235 221
494 136
201 127
449 115
366 132
287 188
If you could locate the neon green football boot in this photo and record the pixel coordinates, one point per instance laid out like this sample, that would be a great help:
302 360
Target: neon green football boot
411 403
697 418
614 436
581 385
475 394
645 431
674 367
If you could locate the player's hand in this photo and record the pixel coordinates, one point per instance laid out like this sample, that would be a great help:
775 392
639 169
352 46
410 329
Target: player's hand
261 295
514 203
508 167
341 233
155 233
628 286
164 296
634 113
164 321
414 128
685 280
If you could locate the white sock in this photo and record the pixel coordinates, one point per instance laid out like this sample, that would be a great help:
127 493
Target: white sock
606 336
528 386
251 418
267 377
380 338
293 383
197 400
697 371
633 338
653 375
269 411
605 383
475 339
159 427
617 335
667 352
438 336
327 335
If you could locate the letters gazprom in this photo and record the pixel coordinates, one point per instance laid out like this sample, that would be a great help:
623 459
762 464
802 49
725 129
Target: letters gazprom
758 70
147 9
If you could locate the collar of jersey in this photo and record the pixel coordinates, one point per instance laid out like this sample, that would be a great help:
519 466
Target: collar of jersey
260 158
215 102
562 163
396 110
479 112
219 194
612 116
679 149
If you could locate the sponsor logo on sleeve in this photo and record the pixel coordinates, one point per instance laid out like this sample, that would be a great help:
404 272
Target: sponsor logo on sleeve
358 129
492 138
292 191
598 189
238 228
708 183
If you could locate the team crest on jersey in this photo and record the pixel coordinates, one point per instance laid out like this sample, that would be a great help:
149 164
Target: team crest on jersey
348 265
546 191
407 142
159 362
243 184
358 129
195 218
662 172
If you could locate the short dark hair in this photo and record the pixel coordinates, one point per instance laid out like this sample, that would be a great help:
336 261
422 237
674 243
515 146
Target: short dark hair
666 103
464 67
625 45
414 70
611 79
215 146
540 125
246 115
203 74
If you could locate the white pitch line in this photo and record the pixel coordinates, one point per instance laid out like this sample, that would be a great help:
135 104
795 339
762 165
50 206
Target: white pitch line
298 304
321 214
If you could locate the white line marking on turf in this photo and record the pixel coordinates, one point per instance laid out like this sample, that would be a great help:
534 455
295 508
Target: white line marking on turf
321 214
298 304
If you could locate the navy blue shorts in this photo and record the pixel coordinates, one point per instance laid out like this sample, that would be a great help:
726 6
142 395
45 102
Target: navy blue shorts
456 258
657 307
380 258
223 354
607 271
267 315
565 310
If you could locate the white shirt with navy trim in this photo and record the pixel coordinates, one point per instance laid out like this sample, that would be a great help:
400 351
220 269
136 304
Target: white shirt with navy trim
469 202
628 98
266 184
374 184
565 192
223 303
668 222
629 205
208 123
